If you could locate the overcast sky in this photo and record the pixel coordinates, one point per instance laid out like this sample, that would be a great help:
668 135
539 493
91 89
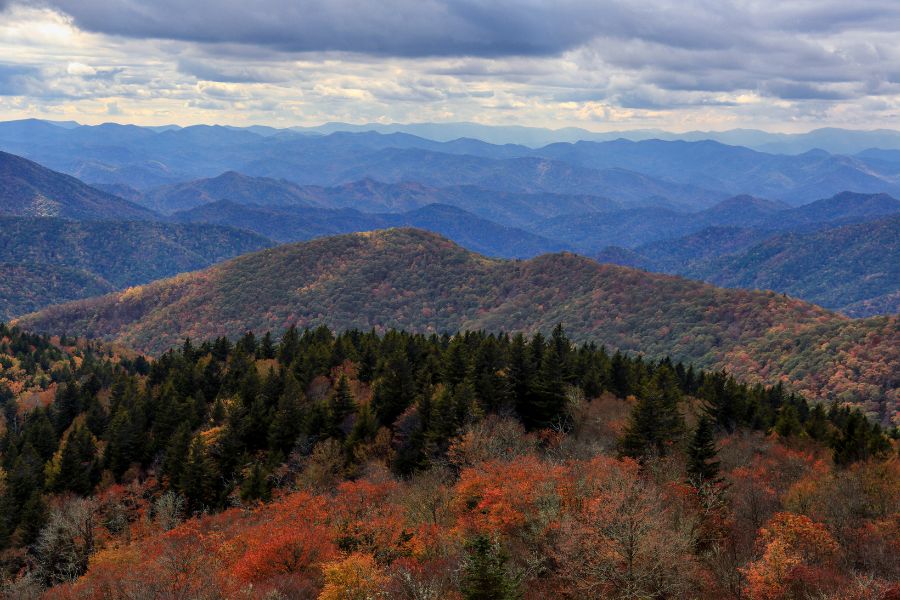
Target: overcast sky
780 65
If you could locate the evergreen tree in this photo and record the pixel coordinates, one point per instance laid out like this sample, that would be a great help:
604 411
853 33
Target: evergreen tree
788 422
656 422
256 485
395 389
702 464
198 477
267 347
178 448
342 405
288 419
78 469
486 575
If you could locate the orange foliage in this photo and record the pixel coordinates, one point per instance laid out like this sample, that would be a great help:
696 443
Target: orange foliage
797 556
356 577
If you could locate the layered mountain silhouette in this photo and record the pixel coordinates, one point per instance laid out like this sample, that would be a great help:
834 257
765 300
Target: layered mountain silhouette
28 189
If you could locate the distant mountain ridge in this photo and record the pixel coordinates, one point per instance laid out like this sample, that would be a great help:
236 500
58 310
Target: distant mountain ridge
298 223
28 189
689 174
47 260
852 268
417 280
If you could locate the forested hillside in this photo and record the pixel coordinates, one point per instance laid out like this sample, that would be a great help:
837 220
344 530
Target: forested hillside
833 268
28 189
473 466
413 279
48 261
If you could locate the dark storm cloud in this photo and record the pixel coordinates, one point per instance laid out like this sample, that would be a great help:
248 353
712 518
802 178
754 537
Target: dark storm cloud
407 28
488 28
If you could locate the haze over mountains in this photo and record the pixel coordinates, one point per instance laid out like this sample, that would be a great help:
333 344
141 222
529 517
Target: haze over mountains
701 209
686 174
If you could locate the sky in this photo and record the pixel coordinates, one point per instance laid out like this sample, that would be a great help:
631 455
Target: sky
679 65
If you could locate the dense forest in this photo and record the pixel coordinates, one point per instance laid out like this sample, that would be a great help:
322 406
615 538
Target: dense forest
419 281
365 465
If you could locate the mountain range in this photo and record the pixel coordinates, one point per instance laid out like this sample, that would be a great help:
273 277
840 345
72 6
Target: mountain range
28 189
509 224
850 268
412 279
685 174
48 260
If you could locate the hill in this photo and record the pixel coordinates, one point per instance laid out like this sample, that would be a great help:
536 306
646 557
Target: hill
417 280
47 261
516 209
229 186
638 228
834 268
850 268
296 223
28 189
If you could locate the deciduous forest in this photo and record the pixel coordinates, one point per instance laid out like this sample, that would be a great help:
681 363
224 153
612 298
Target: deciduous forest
359 465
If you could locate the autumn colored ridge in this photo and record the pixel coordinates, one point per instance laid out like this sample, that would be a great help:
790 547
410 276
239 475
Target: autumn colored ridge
412 279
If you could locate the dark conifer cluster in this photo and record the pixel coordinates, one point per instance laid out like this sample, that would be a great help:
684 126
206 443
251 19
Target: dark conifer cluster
215 421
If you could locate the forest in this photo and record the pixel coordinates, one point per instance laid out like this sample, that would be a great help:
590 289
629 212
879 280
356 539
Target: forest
359 465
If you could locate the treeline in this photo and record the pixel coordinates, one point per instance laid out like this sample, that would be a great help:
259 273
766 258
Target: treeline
215 422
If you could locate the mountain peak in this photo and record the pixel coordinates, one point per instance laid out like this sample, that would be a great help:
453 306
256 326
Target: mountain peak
29 189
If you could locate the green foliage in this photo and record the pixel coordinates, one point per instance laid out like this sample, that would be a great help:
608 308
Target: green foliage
486 574
701 452
656 423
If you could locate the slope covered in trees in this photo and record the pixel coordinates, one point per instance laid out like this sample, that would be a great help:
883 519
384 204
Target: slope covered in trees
47 261
852 268
417 280
833 268
472 466
28 189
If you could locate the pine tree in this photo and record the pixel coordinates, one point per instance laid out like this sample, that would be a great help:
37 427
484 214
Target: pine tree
267 347
485 574
788 422
656 422
342 405
364 428
78 470
178 448
395 388
288 419
256 486
702 466
198 476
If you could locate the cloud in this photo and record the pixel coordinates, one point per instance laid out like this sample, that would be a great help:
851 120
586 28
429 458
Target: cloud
15 80
692 63
410 28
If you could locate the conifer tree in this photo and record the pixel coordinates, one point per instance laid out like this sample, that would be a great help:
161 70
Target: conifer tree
198 476
656 421
178 447
702 464
395 389
288 419
256 486
342 405
485 574
78 470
